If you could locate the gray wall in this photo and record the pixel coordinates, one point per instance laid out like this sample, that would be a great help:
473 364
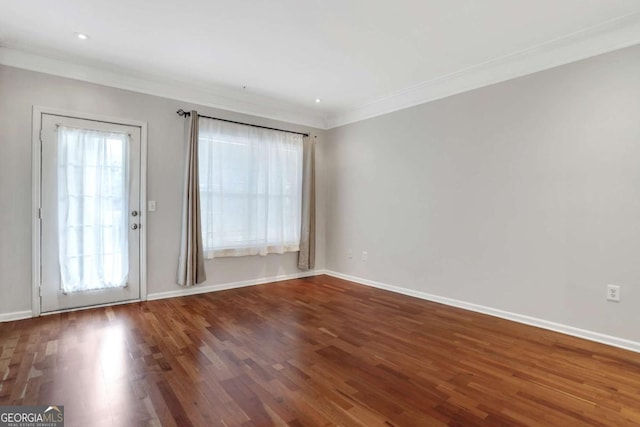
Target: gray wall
523 196
21 89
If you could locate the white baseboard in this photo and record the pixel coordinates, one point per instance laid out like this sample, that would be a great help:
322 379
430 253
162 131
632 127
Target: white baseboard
194 290
16 315
520 318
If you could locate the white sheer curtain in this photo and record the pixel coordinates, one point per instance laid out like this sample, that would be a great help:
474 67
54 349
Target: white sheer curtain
250 189
92 209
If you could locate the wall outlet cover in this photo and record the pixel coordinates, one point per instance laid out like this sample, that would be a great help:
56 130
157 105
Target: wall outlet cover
613 293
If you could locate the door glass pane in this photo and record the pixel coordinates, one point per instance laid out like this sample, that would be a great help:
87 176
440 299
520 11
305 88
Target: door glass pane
92 209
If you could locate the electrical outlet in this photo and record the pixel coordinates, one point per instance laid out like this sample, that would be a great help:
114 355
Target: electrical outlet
152 206
613 293
364 255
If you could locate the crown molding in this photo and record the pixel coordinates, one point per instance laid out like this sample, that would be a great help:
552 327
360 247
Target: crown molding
198 93
606 37
612 35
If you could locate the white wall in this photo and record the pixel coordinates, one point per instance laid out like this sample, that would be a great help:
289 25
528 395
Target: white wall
21 89
522 196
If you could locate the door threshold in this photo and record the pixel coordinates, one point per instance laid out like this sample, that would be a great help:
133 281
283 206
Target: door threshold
88 307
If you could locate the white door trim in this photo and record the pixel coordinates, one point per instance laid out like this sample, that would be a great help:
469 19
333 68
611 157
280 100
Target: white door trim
36 168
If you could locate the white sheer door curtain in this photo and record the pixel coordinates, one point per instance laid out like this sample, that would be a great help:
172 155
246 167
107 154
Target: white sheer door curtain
92 209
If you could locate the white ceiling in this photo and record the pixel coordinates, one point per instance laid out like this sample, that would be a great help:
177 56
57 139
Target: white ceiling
361 57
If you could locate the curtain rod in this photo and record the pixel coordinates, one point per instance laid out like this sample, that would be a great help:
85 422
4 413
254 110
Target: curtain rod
183 113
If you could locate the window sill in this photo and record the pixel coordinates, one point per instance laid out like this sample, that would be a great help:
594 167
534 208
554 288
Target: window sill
262 251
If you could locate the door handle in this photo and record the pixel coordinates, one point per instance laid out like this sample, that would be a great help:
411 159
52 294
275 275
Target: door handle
134 213
134 226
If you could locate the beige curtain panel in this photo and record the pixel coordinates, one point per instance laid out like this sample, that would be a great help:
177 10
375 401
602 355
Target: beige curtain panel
307 254
191 262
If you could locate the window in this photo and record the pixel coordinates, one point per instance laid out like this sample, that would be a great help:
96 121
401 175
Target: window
92 209
250 189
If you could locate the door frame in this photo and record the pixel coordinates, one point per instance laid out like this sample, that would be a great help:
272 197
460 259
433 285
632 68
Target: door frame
36 186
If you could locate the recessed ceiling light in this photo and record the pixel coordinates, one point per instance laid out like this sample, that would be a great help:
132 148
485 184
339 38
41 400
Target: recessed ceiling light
82 36
317 100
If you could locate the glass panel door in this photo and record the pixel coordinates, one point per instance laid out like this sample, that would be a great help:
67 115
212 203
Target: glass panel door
90 212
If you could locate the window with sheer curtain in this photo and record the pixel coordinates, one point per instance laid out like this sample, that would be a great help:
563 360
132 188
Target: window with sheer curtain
250 189
92 209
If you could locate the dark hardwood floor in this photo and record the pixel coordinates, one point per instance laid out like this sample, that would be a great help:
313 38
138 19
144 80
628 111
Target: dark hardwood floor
311 352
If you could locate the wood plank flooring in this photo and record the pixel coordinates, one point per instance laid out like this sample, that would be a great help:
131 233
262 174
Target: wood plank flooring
311 352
